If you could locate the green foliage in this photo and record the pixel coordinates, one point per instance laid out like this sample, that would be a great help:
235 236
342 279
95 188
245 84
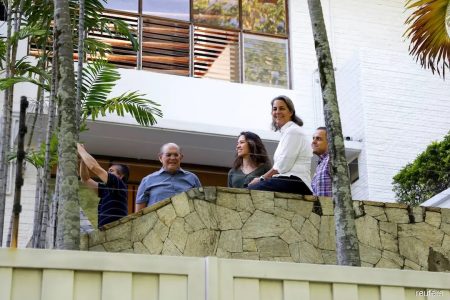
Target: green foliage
427 176
28 32
95 46
99 78
26 72
2 52
37 157
120 29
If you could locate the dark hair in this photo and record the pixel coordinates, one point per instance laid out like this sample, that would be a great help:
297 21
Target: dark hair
123 170
296 119
322 128
258 152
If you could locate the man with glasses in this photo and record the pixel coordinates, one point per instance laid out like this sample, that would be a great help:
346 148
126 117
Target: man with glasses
170 180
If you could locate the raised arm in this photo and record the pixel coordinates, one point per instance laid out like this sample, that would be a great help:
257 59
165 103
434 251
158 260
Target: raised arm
85 177
91 164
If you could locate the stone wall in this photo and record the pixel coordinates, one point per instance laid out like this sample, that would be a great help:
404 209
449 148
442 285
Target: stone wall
242 224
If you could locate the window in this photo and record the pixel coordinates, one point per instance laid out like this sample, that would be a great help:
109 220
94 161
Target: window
265 61
170 9
264 16
131 6
242 41
353 170
220 13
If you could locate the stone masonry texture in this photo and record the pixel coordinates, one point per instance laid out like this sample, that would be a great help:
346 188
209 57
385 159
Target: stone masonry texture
242 224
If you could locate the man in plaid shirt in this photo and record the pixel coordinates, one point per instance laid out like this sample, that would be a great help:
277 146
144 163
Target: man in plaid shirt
321 182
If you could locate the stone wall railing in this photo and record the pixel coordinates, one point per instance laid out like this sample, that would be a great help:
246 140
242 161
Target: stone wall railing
242 224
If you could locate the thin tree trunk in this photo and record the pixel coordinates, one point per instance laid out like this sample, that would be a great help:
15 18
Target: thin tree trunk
347 247
6 121
48 228
38 205
68 231
80 62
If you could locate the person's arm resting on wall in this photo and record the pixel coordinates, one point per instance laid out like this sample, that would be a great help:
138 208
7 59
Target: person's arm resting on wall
91 164
141 202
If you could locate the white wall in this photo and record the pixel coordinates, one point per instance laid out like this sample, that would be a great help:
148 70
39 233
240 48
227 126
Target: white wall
403 107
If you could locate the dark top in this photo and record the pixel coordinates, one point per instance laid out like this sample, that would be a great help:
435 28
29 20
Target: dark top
237 178
113 203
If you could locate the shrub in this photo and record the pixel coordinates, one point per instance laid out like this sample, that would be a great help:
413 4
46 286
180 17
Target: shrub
426 176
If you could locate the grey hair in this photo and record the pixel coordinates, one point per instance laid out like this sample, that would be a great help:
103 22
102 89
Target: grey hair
163 147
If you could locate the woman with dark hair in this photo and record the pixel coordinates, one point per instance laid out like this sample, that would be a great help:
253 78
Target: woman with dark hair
251 160
292 159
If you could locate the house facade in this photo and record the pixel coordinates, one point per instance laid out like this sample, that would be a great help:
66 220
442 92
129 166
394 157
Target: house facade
214 67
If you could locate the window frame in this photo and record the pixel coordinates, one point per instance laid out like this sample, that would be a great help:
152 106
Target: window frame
241 32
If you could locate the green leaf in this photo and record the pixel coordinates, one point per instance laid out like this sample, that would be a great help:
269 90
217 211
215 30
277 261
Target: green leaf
9 82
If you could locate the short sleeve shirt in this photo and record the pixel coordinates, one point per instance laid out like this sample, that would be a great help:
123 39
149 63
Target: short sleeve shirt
113 203
161 185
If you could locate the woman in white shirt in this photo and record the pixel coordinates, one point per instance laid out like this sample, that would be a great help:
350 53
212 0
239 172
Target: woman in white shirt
292 159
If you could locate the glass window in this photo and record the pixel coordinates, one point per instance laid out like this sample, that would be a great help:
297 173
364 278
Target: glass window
171 9
124 5
266 61
223 13
265 16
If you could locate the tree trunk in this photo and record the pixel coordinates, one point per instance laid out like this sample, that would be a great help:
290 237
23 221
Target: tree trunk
68 230
48 231
347 247
80 61
6 126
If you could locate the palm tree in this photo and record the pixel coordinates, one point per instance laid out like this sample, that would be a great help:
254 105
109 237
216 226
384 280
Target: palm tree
68 233
429 32
98 80
347 247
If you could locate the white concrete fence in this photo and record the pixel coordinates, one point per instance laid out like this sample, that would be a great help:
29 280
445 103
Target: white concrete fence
75 275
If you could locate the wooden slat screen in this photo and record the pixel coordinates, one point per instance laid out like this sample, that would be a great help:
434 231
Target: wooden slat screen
216 53
165 46
122 53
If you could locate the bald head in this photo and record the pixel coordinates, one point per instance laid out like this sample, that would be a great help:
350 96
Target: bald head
169 145
170 156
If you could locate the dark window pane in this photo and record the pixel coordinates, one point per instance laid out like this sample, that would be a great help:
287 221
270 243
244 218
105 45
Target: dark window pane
222 13
265 16
265 61
172 9
124 5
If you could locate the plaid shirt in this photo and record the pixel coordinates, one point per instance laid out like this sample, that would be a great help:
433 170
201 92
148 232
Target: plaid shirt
321 182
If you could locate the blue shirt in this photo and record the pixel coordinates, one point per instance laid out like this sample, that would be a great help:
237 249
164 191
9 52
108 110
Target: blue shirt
161 185
113 203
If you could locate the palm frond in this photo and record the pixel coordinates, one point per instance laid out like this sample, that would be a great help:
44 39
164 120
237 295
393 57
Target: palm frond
28 32
141 109
23 67
117 28
9 82
37 157
430 39
99 78
95 47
